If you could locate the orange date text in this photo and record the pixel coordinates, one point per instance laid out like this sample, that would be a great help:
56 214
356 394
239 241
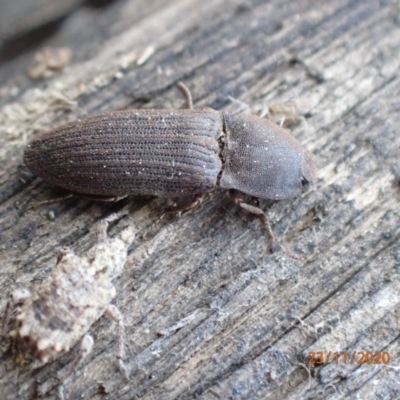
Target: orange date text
348 357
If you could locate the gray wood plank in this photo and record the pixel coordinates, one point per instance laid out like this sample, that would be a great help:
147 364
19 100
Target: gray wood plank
209 312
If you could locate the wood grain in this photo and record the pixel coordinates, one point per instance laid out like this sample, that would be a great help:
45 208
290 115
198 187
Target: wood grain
209 313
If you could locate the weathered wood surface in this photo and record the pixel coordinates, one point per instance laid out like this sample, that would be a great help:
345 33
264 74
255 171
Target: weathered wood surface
209 313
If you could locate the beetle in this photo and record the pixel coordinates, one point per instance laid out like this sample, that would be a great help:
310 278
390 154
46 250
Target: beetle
175 154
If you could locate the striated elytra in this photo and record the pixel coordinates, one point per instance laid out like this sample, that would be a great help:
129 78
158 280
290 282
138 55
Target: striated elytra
173 154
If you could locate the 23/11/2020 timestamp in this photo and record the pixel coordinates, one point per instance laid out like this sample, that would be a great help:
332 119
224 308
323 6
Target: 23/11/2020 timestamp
354 357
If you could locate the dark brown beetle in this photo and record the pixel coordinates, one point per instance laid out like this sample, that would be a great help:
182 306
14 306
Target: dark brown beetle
173 154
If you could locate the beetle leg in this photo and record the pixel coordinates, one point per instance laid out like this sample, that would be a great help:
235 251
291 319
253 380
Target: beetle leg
242 106
198 198
86 196
187 94
52 201
103 198
237 198
274 245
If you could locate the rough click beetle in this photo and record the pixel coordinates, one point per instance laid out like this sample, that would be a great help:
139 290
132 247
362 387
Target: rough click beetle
173 154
